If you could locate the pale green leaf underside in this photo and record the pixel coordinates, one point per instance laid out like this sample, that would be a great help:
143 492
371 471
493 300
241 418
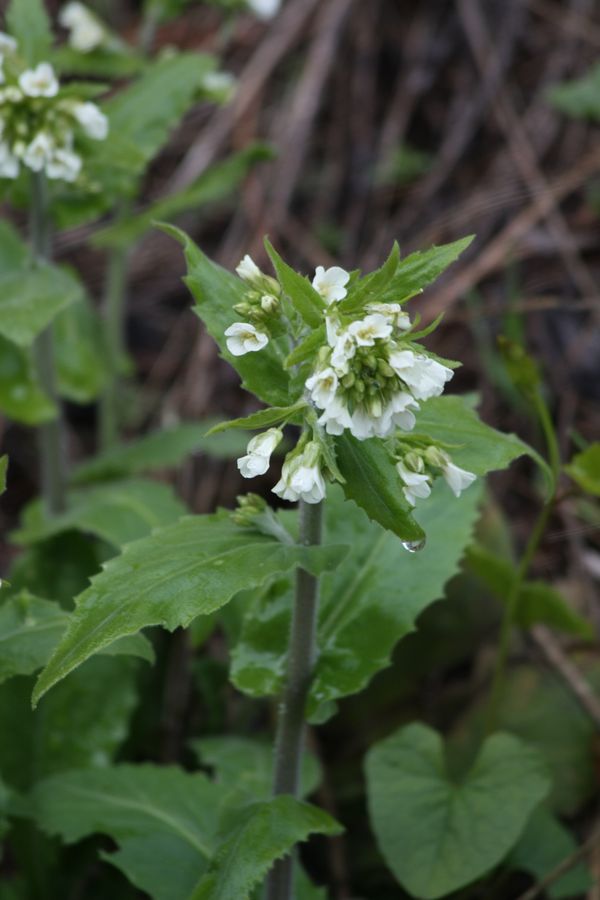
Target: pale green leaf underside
264 832
117 512
438 834
182 571
367 605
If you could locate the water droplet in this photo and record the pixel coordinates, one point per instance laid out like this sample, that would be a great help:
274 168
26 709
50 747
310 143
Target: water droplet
413 546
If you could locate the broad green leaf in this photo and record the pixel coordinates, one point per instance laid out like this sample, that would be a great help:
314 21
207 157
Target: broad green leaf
541 711
182 571
3 471
298 289
21 396
28 22
213 185
245 765
371 480
306 348
537 601
159 450
31 298
545 844
146 111
367 605
14 252
472 444
98 63
438 833
579 98
164 820
370 288
82 723
216 291
584 469
117 512
274 415
419 269
82 369
30 628
262 833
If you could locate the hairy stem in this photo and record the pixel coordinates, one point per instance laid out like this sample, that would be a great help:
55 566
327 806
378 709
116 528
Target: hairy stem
50 434
289 740
114 298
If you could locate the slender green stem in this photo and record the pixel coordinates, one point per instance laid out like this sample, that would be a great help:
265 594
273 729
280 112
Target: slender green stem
50 434
289 741
114 302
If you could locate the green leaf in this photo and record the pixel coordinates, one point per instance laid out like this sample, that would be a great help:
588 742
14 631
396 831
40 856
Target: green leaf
21 397
3 471
30 629
367 605
370 288
537 601
263 833
584 469
213 185
117 512
98 63
543 845
14 253
419 269
473 445
28 22
216 292
31 298
182 571
82 369
159 450
298 289
371 480
437 833
245 765
152 105
306 348
579 98
82 723
274 415
163 819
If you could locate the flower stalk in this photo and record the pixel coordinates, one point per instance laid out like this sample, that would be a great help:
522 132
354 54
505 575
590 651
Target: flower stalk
289 741
51 442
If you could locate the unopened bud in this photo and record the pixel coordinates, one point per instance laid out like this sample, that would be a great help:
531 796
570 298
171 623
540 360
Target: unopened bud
414 462
269 303
436 457
384 368
348 380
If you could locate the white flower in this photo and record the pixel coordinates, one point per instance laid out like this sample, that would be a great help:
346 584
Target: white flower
398 413
92 120
221 83
335 417
12 94
366 331
39 152
9 164
322 386
248 270
64 165
39 82
301 477
87 32
244 338
343 346
416 485
260 448
331 283
457 479
425 377
393 312
264 9
7 43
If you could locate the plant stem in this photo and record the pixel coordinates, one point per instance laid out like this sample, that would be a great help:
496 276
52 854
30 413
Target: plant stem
50 434
115 345
289 741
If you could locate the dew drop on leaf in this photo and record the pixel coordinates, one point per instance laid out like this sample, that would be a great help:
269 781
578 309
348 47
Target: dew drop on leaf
413 546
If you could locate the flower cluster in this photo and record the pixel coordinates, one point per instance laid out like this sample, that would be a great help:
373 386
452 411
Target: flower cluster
368 377
38 126
260 304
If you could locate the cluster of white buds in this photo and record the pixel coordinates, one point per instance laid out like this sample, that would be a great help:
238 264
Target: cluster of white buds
418 468
260 306
38 127
86 31
369 377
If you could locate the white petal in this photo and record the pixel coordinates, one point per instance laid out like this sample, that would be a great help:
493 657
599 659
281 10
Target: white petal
458 479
